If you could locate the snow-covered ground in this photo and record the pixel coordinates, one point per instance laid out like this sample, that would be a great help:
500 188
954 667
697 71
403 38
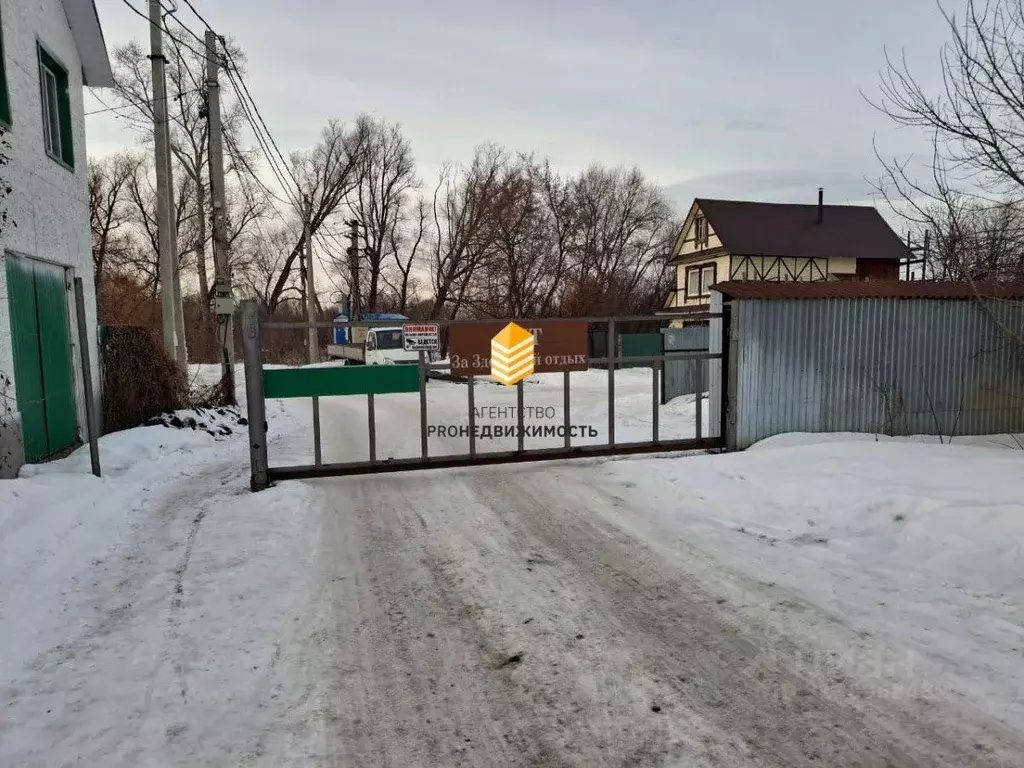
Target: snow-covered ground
818 600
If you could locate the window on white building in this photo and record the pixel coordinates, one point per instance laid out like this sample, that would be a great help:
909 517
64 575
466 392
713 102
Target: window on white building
56 109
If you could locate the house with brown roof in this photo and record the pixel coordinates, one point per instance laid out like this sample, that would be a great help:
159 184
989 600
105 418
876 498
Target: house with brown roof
730 240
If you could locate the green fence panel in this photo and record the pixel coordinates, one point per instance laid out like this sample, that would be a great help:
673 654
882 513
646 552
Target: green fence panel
340 380
638 345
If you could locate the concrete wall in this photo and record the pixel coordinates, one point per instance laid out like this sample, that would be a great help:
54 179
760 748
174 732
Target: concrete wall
48 204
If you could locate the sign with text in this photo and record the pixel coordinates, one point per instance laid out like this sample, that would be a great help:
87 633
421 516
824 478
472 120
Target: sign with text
421 337
557 346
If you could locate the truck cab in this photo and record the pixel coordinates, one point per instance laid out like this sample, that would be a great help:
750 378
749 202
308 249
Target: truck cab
386 346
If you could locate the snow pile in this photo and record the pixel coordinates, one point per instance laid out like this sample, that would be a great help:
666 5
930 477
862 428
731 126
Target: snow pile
102 579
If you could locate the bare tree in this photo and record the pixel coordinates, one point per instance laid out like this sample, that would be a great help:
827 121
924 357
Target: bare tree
978 119
143 259
381 202
404 244
524 265
110 210
623 221
463 236
971 199
327 173
263 264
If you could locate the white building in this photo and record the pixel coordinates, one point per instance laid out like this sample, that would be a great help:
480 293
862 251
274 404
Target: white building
49 51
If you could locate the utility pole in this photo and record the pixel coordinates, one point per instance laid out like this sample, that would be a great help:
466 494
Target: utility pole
307 236
224 301
164 206
353 265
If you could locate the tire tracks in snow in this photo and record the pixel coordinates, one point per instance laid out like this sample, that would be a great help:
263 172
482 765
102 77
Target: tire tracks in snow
131 582
711 656
411 682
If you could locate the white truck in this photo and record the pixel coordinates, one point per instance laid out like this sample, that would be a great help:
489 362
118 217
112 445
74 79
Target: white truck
374 346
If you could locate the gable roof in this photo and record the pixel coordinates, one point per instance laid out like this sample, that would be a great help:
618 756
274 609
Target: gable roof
92 49
784 229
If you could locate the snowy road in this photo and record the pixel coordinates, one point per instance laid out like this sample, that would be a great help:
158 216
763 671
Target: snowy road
848 604
507 617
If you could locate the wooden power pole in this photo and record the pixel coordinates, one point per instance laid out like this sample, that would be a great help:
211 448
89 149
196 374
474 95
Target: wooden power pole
223 296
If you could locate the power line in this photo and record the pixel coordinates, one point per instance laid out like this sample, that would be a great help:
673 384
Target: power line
173 15
264 137
232 66
115 109
198 15
264 145
163 28
236 154
266 152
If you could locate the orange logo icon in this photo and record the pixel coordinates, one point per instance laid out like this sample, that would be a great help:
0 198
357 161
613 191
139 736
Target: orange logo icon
511 355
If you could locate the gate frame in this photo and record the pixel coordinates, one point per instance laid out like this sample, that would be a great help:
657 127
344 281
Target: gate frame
263 475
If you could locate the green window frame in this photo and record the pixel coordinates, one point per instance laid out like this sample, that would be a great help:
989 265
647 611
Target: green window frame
5 95
56 109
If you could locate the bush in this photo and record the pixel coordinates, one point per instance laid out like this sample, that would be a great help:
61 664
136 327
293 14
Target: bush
140 380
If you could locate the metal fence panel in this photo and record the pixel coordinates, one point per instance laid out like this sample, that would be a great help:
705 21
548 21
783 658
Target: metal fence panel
681 375
315 381
881 365
638 345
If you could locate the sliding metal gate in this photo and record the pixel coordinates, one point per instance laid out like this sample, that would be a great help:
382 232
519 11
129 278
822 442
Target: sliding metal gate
314 382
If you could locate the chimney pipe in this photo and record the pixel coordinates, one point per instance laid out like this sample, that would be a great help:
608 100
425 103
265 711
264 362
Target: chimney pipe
821 205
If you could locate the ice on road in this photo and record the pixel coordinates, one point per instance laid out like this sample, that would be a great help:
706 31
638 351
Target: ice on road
831 601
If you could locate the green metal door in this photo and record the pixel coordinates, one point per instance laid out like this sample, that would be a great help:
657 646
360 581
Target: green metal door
55 349
43 375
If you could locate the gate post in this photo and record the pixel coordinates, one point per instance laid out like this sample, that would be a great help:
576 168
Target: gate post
252 346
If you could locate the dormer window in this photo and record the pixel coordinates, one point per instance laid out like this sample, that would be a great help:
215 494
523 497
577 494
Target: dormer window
700 230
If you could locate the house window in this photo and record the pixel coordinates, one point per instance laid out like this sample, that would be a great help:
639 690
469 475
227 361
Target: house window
5 96
700 231
53 84
699 280
692 282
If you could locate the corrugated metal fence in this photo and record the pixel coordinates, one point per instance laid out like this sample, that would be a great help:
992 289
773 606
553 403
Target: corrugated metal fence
876 365
681 376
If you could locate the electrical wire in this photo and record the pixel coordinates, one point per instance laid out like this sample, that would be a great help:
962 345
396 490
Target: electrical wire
237 155
264 144
184 26
261 131
163 28
115 109
198 15
233 66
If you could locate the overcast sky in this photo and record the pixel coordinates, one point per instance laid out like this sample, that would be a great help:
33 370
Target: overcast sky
744 99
